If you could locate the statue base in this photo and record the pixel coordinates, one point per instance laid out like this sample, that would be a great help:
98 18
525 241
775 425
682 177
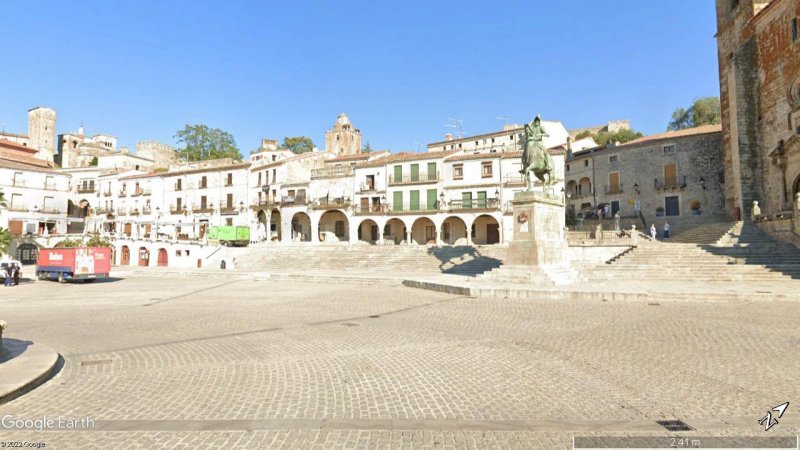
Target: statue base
538 253
539 238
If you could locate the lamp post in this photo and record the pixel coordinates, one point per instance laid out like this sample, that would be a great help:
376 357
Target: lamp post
158 218
441 201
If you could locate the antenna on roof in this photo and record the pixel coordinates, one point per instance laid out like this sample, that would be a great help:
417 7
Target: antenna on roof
456 123
418 145
503 118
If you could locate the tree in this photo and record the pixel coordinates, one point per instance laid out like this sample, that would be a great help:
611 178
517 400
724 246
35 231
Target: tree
704 111
620 136
93 162
299 144
583 134
5 241
97 241
366 148
201 143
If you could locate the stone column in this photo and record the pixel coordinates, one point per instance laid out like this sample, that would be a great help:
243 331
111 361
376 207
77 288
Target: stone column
469 235
438 235
408 236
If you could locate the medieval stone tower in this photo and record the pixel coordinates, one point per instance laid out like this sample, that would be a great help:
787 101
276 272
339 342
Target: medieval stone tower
343 139
42 132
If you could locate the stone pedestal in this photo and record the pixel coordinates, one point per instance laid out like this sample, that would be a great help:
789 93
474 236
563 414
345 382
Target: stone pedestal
538 253
539 238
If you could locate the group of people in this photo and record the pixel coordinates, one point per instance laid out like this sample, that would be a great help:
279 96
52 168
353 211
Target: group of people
654 231
12 275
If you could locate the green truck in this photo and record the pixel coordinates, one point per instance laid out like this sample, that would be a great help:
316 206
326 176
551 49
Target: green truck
229 236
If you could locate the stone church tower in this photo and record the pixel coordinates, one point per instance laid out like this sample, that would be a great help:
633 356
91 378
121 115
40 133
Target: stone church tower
42 132
343 139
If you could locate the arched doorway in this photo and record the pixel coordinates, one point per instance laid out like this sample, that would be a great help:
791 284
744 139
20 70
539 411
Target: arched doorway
368 231
275 225
263 226
334 227
572 188
144 257
454 231
423 231
125 257
585 186
301 227
163 258
485 230
27 253
394 231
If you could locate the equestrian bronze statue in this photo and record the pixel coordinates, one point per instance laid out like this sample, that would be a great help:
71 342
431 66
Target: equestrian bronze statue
535 157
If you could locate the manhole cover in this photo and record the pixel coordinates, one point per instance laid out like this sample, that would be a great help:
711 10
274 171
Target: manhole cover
674 425
349 324
95 362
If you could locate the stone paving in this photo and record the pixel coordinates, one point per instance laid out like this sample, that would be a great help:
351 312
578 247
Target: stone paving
223 362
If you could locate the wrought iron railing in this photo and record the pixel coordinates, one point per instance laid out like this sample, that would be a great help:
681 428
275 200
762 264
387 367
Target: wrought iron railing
678 182
470 205
409 178
327 172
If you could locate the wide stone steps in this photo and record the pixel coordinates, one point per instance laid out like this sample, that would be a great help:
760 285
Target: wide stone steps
464 260
708 233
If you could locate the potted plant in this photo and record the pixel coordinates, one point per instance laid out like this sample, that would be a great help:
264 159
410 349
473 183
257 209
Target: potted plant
660 211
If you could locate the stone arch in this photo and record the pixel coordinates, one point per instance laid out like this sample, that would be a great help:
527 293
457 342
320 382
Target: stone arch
486 230
301 227
274 225
369 231
163 257
423 231
454 229
585 186
394 231
333 226
572 187
27 253
125 256
143 257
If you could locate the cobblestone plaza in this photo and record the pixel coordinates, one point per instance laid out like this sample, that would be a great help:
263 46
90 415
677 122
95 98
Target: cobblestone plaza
228 362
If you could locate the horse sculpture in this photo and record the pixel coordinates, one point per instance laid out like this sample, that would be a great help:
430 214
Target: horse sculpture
535 157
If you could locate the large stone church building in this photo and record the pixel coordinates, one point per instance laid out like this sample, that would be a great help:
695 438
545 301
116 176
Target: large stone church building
759 64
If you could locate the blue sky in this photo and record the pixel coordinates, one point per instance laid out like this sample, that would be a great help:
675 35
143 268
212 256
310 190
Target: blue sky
140 70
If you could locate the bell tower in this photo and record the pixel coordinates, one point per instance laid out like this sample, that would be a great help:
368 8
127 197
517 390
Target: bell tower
42 132
343 139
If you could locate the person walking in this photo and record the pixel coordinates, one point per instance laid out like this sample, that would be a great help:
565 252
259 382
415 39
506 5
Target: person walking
8 275
666 229
16 275
653 231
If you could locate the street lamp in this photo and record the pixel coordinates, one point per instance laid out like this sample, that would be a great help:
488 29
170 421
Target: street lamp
636 188
703 183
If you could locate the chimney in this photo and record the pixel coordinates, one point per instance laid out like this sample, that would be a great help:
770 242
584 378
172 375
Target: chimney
448 137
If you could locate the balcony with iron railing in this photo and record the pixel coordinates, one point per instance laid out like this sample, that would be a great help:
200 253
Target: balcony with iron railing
18 207
50 210
106 193
203 209
361 210
263 204
178 209
289 200
513 180
104 210
139 192
332 172
331 203
230 209
480 204
87 189
122 211
123 193
414 178
677 182
406 208
613 189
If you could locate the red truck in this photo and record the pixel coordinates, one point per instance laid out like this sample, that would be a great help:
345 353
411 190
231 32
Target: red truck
78 263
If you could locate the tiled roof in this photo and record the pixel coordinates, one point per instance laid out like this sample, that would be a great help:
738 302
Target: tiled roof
243 165
16 146
360 156
405 157
560 150
21 157
705 129
142 175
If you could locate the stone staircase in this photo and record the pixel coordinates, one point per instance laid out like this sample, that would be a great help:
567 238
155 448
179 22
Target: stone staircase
371 259
743 254
705 233
542 276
